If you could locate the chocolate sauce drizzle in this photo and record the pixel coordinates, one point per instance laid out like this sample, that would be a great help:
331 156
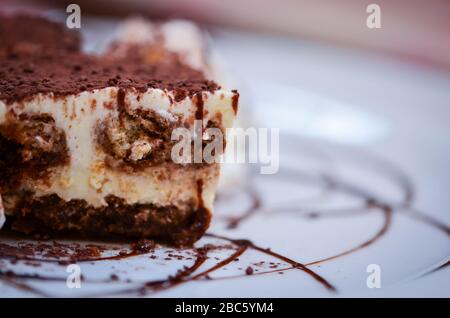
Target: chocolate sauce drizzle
239 247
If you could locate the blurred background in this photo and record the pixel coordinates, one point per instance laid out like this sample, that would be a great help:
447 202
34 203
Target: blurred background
415 29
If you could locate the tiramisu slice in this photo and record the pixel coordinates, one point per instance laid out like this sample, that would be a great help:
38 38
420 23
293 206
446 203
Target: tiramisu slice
86 145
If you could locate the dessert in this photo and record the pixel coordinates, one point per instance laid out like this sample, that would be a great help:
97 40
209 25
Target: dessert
86 142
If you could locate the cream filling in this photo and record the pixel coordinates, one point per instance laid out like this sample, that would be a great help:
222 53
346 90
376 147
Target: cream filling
87 177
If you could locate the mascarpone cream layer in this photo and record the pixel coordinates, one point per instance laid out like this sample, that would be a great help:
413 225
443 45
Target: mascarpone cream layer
86 177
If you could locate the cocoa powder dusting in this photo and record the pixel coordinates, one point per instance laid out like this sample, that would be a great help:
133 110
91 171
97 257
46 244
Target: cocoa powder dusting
38 56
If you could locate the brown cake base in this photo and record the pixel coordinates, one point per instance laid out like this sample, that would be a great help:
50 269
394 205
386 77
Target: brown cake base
50 214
